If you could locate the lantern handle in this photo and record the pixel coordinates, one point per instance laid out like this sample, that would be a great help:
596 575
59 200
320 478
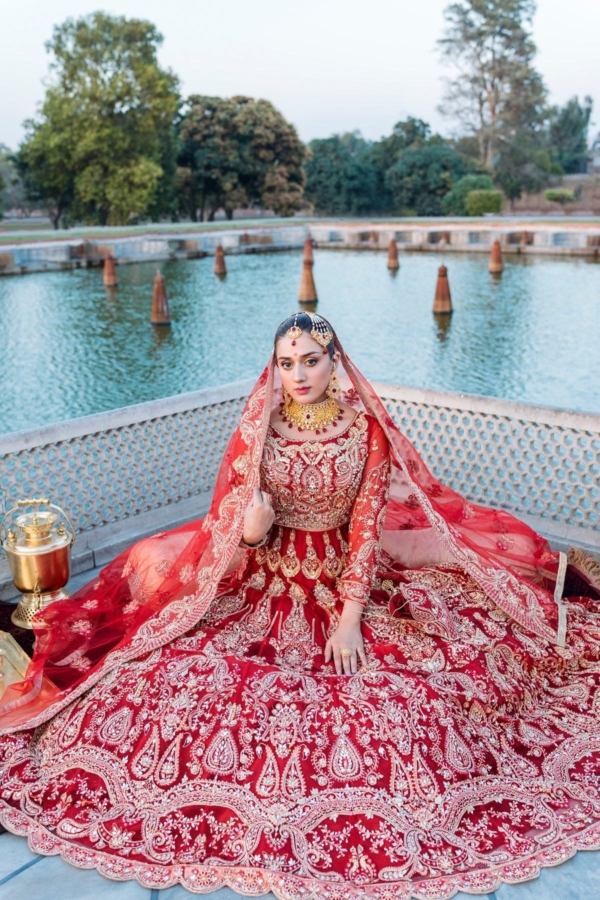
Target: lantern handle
61 510
34 501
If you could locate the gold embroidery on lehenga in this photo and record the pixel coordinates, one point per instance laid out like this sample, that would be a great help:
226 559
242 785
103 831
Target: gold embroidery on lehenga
272 553
311 565
290 564
333 565
296 646
314 483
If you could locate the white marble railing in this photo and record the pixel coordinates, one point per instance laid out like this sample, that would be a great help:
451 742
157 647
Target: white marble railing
476 235
129 472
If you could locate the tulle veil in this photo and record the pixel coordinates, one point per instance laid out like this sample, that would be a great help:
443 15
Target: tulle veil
105 624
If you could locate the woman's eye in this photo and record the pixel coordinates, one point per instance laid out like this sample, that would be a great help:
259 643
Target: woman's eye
311 362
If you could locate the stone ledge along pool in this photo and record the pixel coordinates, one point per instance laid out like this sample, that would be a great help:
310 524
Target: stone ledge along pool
71 347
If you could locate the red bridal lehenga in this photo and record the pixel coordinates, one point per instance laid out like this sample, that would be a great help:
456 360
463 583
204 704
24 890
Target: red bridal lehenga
179 723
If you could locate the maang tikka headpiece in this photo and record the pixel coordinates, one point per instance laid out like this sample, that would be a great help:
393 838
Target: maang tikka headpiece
320 331
294 332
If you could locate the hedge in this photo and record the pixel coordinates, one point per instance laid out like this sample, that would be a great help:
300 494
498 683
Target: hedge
480 202
559 195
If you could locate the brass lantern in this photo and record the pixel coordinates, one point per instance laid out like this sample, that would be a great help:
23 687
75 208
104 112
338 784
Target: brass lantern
38 545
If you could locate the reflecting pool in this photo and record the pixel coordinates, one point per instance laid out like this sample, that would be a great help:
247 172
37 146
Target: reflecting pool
70 347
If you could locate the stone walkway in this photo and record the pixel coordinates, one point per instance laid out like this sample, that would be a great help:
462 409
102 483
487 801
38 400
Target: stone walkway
25 876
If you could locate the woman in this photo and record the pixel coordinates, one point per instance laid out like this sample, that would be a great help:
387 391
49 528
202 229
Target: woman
346 681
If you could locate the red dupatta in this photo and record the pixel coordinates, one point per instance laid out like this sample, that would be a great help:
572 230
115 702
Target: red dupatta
80 640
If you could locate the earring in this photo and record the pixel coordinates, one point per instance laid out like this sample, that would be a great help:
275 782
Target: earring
333 388
286 399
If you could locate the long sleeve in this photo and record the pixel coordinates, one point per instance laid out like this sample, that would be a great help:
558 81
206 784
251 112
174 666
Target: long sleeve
366 522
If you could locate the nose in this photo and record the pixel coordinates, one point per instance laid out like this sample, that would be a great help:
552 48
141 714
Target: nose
299 372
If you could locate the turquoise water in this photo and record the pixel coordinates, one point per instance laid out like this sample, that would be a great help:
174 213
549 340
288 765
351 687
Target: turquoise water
70 348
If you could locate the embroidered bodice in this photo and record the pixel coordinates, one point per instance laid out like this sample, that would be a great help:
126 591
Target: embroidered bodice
313 484
320 485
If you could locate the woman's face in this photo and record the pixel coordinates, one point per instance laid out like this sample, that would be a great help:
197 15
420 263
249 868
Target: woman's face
304 368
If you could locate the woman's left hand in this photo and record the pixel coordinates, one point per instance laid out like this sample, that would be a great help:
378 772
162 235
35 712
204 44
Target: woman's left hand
347 636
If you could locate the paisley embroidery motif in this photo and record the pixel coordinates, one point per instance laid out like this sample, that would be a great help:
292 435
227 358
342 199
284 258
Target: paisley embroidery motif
345 763
292 782
222 754
144 761
116 728
268 781
167 771
70 732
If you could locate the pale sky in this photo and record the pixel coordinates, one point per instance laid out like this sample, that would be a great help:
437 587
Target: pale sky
328 65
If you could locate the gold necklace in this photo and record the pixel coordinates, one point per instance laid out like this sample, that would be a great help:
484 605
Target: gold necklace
311 416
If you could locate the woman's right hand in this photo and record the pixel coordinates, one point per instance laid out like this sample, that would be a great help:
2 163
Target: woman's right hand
258 518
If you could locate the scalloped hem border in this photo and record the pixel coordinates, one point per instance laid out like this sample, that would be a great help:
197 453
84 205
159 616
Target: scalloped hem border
254 882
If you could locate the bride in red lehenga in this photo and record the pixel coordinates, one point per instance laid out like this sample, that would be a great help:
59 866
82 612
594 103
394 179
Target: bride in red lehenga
345 682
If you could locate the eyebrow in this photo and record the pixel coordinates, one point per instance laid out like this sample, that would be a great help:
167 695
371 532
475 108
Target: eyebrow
304 355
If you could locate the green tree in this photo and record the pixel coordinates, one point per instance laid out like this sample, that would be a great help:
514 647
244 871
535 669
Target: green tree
238 152
409 171
12 189
454 203
568 134
274 175
4 176
497 93
339 180
106 120
46 157
522 166
208 160
382 155
422 176
407 134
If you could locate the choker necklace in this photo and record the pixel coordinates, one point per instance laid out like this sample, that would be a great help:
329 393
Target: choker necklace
310 416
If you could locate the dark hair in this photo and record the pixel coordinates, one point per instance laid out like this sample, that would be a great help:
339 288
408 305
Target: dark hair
304 323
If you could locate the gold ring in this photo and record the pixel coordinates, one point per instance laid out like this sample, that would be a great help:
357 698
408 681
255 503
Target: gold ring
345 651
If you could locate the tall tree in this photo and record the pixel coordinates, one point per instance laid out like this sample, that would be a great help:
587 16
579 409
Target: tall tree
497 93
208 159
274 156
238 152
568 134
107 116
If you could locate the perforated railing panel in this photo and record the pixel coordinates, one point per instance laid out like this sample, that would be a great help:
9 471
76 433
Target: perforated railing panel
111 475
540 469
529 460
